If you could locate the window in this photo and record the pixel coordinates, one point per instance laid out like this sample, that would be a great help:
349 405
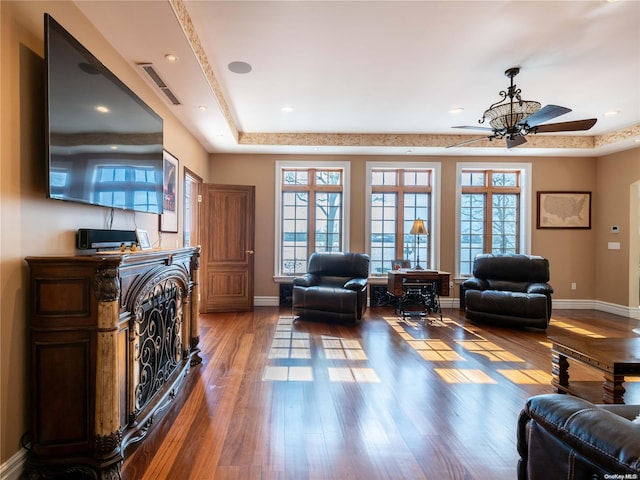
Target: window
123 186
493 212
312 205
398 196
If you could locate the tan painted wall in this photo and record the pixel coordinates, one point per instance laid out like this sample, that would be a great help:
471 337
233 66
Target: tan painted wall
570 252
30 223
616 175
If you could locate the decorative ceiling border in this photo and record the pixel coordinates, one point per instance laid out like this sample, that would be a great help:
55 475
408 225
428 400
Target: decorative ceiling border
403 140
373 139
180 11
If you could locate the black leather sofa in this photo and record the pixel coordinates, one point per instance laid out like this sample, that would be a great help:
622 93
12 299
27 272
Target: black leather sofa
333 289
508 289
565 437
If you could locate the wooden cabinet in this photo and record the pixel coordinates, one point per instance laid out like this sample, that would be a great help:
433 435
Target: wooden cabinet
397 279
112 337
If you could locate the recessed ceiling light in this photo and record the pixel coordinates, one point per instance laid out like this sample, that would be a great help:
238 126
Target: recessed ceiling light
239 67
286 109
202 107
611 113
456 110
102 109
170 57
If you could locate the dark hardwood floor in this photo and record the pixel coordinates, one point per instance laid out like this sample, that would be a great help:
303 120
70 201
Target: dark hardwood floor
387 399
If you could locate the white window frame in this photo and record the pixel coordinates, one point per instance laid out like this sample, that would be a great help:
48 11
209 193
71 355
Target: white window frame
434 227
346 205
526 194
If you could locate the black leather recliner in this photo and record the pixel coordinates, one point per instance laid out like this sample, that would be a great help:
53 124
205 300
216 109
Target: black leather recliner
561 436
509 289
334 287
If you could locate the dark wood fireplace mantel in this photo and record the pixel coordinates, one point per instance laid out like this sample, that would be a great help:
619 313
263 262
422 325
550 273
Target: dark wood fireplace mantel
112 338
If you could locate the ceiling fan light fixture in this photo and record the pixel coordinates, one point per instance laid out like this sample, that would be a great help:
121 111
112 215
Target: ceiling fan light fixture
512 118
507 115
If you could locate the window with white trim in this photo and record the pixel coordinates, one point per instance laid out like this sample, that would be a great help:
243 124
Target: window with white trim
311 210
397 196
493 212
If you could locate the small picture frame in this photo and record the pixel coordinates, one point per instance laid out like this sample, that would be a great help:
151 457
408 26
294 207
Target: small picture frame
401 264
143 239
170 198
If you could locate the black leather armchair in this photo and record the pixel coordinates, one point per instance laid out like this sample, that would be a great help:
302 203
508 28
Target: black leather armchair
334 287
561 436
509 289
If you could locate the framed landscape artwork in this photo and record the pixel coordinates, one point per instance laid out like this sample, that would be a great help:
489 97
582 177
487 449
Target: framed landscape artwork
169 219
564 210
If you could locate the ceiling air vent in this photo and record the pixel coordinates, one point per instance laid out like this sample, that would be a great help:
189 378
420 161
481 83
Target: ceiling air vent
157 80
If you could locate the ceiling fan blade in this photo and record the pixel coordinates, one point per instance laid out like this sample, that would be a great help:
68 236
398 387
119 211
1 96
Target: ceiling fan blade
470 141
545 113
469 127
575 126
515 141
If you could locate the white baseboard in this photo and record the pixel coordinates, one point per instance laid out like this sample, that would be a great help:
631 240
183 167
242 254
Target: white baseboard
561 304
266 301
570 304
12 469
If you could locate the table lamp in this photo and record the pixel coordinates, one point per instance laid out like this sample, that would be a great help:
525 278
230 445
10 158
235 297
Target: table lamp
418 229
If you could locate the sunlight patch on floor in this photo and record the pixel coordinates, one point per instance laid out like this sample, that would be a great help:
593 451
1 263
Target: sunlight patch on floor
287 344
526 377
287 374
349 375
576 330
435 350
342 349
493 352
459 375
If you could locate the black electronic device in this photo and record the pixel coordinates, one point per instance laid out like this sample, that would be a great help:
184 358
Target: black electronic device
104 144
88 238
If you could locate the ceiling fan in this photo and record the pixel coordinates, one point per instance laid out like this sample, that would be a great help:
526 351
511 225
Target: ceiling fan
512 118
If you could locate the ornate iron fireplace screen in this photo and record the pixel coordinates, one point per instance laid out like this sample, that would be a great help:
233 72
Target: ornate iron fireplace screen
159 349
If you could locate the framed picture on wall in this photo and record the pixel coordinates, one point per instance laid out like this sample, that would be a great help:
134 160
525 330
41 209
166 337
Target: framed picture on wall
564 210
169 219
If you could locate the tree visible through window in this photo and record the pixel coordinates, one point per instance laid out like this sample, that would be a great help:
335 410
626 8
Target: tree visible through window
398 197
489 214
311 215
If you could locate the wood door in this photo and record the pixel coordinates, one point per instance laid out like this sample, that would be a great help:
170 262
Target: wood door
228 248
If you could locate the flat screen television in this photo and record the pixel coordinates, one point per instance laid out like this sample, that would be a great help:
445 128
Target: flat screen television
104 144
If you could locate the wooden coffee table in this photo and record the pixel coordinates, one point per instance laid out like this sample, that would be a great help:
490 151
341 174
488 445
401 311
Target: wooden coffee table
614 357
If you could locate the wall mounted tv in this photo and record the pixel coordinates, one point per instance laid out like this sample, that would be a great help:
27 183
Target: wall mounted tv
104 144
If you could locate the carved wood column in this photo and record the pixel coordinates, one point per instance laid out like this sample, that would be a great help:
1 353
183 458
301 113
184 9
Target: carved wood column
107 413
194 337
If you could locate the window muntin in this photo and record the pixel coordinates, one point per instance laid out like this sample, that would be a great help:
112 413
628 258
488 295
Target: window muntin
126 185
311 215
398 197
490 212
